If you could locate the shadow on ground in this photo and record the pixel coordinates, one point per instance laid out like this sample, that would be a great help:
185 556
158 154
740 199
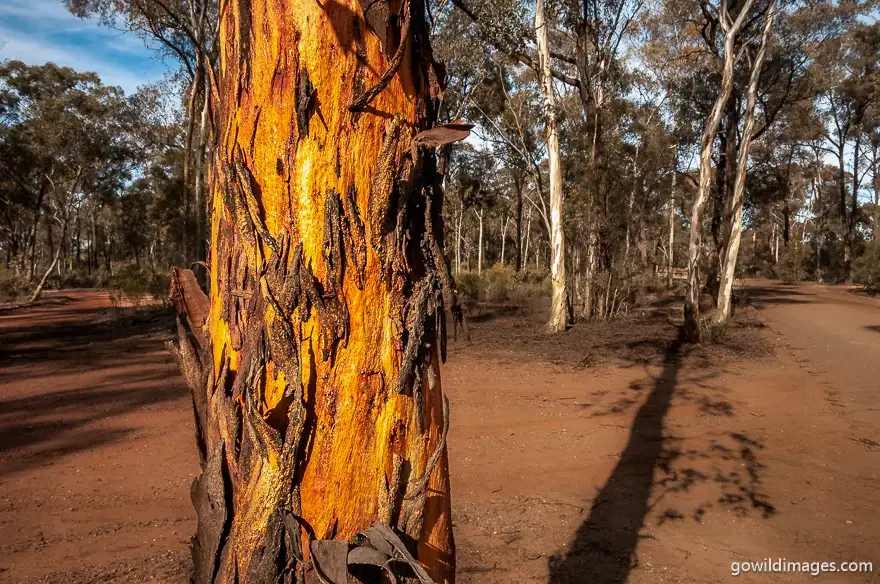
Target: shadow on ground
70 338
603 550
77 365
36 430
605 543
765 295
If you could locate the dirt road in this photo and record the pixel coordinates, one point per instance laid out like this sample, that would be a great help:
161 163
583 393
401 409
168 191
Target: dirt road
96 450
835 335
612 453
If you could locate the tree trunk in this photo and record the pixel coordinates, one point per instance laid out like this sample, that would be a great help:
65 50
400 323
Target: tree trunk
31 246
39 290
528 237
692 290
519 218
841 187
458 240
670 258
314 362
630 202
187 161
558 314
849 240
735 214
198 190
503 238
480 243
820 223
876 221
589 272
775 243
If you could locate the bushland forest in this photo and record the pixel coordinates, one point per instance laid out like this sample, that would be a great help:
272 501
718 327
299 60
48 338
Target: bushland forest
636 240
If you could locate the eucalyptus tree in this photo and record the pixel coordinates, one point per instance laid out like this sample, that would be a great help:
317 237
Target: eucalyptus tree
64 137
186 32
314 359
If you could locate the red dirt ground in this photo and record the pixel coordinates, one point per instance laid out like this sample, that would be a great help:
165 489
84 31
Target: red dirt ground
608 454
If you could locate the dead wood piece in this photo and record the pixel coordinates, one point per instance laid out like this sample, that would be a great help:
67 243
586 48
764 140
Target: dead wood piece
330 559
190 302
443 134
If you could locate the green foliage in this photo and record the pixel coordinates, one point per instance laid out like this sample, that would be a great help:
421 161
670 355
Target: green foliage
77 279
12 287
132 284
795 262
468 285
501 283
866 268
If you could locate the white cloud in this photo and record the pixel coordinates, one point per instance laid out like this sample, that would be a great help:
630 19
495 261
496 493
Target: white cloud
38 31
33 52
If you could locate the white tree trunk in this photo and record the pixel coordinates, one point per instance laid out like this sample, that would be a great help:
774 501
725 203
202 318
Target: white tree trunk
45 277
725 291
503 238
480 244
528 237
558 313
695 242
876 218
775 244
631 202
458 241
670 257
201 155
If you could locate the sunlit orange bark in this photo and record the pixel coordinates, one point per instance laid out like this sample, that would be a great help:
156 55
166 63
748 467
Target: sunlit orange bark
315 361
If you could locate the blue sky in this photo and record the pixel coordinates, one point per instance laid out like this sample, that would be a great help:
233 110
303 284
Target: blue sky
37 31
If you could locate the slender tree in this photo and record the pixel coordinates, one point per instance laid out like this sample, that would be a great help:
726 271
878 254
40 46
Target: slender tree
729 57
558 311
735 209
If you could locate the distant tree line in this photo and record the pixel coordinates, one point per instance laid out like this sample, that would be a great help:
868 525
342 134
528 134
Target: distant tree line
689 140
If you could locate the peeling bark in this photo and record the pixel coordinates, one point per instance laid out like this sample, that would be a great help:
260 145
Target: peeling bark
735 214
314 361
558 309
695 242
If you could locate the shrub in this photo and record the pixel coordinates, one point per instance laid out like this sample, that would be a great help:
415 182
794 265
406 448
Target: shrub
11 286
866 267
77 279
499 282
132 283
468 285
794 262
103 277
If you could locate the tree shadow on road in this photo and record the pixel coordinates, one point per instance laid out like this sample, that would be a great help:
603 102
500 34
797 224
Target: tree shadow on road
603 550
45 344
39 429
69 375
765 295
604 545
